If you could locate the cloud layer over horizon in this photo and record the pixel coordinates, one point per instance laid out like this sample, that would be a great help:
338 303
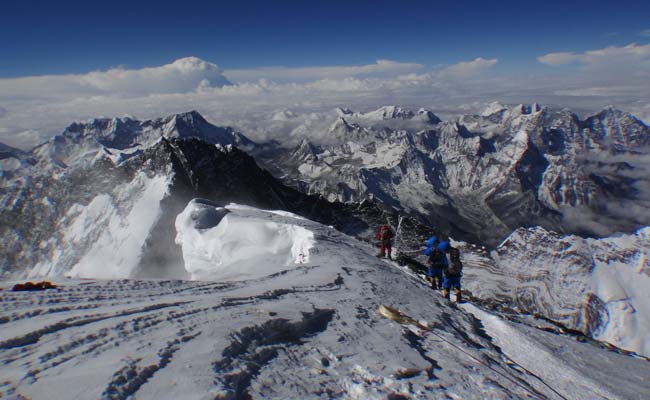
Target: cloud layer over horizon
34 108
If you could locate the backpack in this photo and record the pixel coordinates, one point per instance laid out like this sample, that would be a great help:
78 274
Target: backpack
455 267
437 257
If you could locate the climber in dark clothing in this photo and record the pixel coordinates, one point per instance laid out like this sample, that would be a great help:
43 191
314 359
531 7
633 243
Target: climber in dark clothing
385 237
452 274
437 264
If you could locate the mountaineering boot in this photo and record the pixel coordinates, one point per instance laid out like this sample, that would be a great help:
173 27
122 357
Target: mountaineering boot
446 293
458 296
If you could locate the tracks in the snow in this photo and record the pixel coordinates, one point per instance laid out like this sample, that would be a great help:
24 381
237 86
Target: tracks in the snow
34 336
140 326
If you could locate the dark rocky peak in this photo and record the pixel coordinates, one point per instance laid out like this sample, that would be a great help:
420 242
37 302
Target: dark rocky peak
7 151
428 139
526 109
464 132
428 116
226 174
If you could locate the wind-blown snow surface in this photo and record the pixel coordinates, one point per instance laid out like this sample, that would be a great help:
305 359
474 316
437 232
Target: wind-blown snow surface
307 330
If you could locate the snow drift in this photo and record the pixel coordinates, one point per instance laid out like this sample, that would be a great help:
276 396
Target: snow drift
237 242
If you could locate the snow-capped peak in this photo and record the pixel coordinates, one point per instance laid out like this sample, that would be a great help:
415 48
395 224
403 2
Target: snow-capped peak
340 124
493 108
305 151
388 112
283 115
427 116
81 141
342 127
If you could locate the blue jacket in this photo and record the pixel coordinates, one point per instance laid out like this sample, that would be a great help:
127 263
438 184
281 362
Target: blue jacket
444 246
433 240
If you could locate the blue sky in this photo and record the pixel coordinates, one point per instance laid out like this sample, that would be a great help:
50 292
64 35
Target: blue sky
55 37
62 61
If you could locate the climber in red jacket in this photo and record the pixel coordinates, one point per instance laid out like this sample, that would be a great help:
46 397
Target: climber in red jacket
385 237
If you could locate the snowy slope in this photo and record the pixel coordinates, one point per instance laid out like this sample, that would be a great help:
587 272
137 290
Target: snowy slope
106 237
308 328
600 287
569 368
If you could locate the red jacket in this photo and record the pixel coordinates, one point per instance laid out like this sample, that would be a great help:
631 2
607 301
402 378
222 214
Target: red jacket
384 234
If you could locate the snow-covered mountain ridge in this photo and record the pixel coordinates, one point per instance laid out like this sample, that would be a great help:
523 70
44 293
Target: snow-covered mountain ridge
482 176
290 328
119 138
478 177
116 194
288 306
67 218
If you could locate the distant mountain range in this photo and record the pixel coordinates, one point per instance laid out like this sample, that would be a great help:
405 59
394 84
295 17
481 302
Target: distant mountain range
482 176
477 177
108 191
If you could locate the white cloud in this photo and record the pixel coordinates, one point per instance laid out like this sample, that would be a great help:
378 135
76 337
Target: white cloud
468 69
183 75
379 68
612 55
34 108
559 58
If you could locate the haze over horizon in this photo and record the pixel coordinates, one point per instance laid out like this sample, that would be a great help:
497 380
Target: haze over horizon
241 64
